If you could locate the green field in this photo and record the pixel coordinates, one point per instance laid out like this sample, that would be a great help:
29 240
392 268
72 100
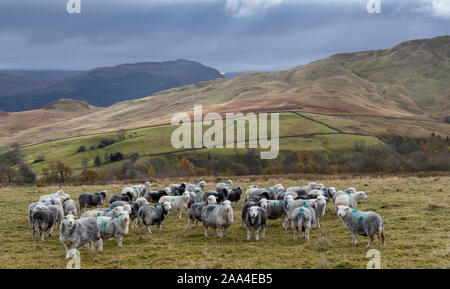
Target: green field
154 140
415 212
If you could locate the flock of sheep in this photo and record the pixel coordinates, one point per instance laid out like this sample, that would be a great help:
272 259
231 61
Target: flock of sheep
301 207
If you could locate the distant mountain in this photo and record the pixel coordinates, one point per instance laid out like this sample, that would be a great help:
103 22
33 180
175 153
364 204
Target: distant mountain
107 85
410 80
42 75
10 84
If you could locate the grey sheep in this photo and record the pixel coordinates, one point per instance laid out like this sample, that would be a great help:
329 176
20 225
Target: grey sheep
350 200
153 215
256 219
121 197
195 211
362 223
43 220
217 217
276 209
74 233
71 207
303 219
91 200
250 203
115 226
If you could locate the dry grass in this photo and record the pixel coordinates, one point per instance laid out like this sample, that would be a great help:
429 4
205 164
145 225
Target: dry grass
417 236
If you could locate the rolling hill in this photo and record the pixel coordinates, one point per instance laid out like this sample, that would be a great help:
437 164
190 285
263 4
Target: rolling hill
107 85
409 81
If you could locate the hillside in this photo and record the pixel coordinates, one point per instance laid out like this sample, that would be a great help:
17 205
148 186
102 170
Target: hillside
409 81
107 85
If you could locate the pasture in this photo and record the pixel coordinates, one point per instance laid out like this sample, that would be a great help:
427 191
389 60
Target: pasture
415 212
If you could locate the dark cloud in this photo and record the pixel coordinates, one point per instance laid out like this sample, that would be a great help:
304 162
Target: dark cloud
41 35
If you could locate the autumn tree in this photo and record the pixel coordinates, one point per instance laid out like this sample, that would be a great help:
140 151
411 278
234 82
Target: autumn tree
8 175
185 167
89 175
57 171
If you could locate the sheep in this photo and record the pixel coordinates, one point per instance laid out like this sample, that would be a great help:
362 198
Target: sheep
276 209
227 185
250 203
58 211
124 198
195 211
136 191
362 223
341 192
177 190
235 195
115 226
194 197
319 205
43 221
91 200
118 204
105 212
217 217
154 196
196 187
58 195
134 214
74 233
303 218
71 207
220 196
153 215
274 191
178 202
256 219
350 200
141 202
257 192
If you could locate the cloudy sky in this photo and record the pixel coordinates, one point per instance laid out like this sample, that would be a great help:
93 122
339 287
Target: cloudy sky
230 35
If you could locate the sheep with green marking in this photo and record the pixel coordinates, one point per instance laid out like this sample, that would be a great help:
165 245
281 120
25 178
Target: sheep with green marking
350 200
115 226
362 223
179 203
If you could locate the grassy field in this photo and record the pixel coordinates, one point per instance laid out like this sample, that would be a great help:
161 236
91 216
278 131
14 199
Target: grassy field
154 140
415 212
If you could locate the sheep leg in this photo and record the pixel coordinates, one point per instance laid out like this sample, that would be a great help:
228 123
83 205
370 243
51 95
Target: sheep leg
249 234
206 231
295 234
188 226
148 231
285 221
215 231
307 233
317 223
264 232
355 242
119 241
179 214
257 234
371 237
158 227
100 245
196 223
